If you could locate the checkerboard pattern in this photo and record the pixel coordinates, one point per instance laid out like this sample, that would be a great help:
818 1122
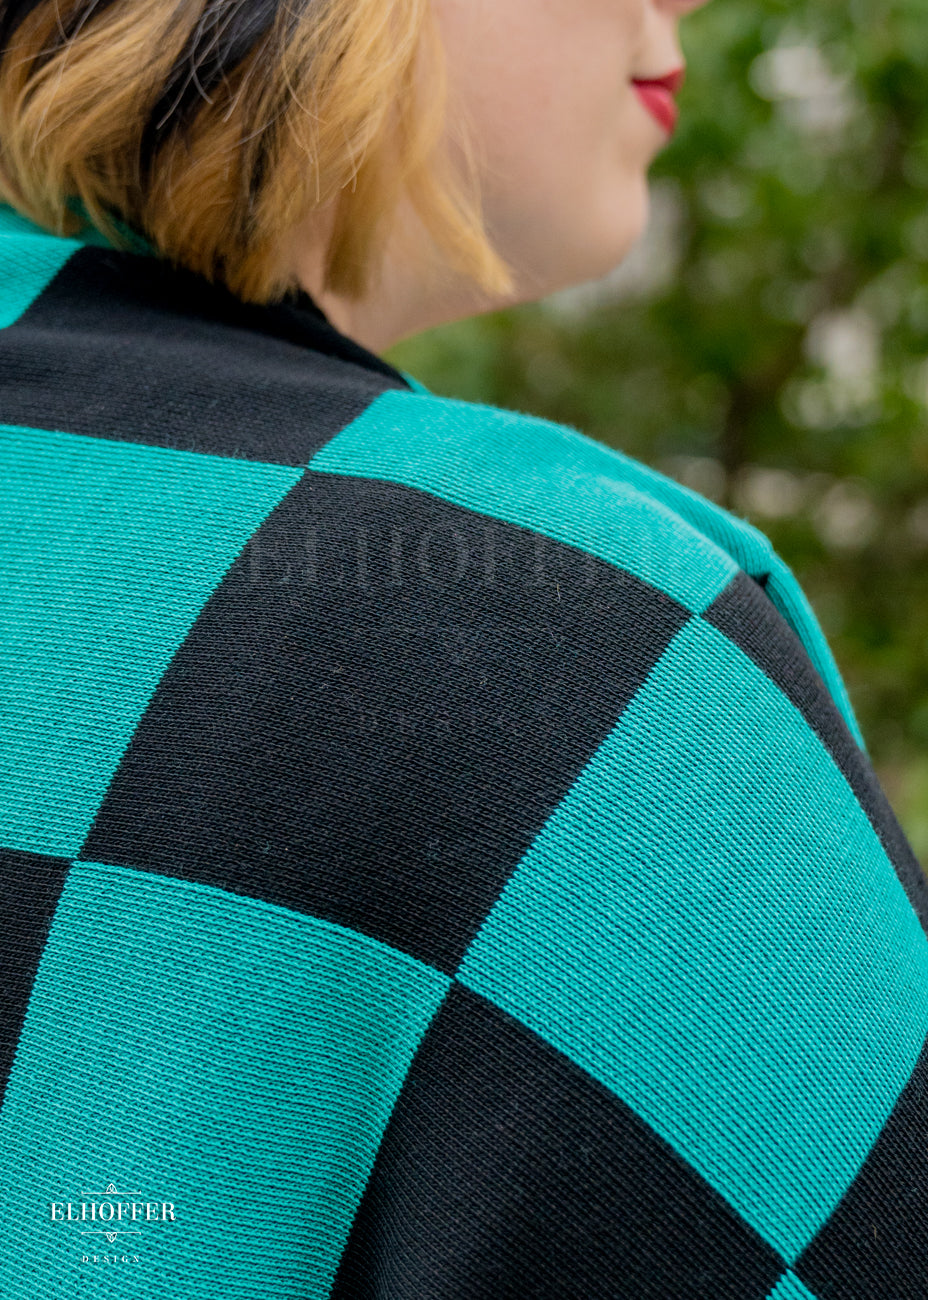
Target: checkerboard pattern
438 853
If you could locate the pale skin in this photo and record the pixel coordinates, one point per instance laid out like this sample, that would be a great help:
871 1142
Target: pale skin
564 146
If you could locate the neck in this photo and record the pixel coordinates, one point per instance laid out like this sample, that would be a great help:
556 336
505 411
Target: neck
412 293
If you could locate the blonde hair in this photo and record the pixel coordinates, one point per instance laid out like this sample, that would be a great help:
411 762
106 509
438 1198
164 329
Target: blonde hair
105 108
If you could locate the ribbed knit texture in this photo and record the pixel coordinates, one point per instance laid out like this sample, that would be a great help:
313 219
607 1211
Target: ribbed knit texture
438 856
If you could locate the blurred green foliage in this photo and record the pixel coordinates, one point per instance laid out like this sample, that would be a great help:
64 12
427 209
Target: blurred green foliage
767 342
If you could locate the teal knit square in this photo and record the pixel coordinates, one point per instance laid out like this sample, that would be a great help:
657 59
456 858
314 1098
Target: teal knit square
227 1057
108 550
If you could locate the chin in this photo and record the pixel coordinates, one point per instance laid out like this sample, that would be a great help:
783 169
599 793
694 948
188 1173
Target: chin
601 245
594 261
623 225
585 242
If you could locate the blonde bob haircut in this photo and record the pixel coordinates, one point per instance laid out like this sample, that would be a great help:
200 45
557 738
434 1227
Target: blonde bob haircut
212 128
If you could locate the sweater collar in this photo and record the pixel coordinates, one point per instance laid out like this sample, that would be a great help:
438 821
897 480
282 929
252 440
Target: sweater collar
297 318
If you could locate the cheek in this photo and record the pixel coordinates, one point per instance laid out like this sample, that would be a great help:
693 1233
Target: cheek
561 138
530 72
568 194
561 134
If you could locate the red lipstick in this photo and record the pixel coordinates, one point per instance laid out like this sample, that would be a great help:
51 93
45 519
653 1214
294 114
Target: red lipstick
657 95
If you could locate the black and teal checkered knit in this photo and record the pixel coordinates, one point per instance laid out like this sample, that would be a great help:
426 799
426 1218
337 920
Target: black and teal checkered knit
439 855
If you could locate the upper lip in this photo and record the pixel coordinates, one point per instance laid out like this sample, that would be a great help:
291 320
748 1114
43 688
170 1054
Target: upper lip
672 80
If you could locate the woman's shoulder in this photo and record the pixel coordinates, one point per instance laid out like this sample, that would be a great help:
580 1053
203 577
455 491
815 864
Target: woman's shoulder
551 479
550 475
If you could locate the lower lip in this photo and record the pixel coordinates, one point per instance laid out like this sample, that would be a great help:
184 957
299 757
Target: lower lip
659 102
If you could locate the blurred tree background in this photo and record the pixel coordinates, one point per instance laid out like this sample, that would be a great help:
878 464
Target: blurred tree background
767 341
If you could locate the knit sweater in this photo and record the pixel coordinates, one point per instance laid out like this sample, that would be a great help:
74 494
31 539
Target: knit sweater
439 857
